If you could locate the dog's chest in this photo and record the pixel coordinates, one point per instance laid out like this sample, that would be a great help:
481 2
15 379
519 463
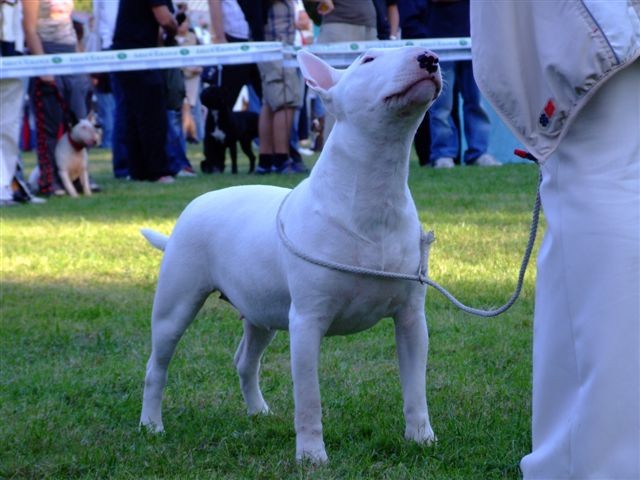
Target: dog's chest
366 302
69 159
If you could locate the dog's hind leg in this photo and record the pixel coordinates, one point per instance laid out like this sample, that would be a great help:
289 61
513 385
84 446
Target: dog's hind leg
233 152
245 144
175 305
247 361
412 346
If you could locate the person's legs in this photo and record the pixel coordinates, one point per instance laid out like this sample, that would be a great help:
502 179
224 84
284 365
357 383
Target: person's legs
265 133
11 99
173 147
444 135
477 126
586 368
152 124
106 109
49 118
129 126
120 156
282 121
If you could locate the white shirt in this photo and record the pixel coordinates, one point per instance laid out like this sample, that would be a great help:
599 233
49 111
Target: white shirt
105 13
233 21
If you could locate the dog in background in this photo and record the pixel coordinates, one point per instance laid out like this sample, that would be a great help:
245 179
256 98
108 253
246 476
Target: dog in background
224 129
72 158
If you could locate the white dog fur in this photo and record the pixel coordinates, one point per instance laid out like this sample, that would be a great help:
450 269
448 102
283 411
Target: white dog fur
72 158
355 208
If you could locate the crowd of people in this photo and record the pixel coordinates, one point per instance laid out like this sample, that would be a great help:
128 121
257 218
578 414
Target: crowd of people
148 117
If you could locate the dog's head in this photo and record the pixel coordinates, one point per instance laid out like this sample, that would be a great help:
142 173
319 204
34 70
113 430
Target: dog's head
84 133
399 83
213 98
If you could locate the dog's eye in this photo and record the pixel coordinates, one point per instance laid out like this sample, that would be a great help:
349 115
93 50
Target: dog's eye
367 60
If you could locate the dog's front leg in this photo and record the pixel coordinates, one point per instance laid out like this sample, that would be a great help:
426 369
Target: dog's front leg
412 346
67 183
305 336
84 181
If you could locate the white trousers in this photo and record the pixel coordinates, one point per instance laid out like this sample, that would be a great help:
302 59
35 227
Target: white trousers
11 101
586 355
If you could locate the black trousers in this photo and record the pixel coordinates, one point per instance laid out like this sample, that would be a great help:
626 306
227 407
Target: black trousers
146 123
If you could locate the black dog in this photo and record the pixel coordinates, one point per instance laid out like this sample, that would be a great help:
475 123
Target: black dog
223 129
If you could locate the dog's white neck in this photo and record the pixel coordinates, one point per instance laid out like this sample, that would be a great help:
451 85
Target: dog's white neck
362 179
358 166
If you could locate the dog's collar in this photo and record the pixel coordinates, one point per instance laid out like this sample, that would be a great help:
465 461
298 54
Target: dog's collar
76 145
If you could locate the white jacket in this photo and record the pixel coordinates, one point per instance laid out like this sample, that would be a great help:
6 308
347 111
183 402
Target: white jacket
539 62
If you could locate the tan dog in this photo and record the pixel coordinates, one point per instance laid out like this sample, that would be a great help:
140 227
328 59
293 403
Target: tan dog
72 158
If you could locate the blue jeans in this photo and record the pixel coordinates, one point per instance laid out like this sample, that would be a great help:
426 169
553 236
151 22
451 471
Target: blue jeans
445 138
176 146
106 110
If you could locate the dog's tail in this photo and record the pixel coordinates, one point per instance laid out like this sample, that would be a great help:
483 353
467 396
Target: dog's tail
156 239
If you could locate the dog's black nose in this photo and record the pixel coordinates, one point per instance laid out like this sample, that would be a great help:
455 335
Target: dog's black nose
429 62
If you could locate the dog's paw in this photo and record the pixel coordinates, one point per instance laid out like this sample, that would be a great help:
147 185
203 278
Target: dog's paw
314 455
259 410
151 427
422 434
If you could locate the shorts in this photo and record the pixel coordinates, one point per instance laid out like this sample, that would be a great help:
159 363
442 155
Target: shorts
281 87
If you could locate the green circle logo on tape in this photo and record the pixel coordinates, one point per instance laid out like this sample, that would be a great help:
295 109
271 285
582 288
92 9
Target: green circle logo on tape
409 43
184 51
244 48
122 56
464 42
56 60
354 46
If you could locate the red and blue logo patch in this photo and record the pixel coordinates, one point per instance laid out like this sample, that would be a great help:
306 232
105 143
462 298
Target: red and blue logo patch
547 112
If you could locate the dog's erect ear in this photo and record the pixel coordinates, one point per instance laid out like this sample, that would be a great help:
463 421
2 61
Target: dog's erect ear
319 75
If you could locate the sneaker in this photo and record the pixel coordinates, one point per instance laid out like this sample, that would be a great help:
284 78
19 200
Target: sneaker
292 167
486 160
262 170
166 179
185 172
305 151
444 162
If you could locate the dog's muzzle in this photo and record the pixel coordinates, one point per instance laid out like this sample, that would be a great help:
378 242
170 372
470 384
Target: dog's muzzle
428 62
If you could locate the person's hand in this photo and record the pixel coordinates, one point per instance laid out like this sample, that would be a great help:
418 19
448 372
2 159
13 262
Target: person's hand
48 78
325 7
219 39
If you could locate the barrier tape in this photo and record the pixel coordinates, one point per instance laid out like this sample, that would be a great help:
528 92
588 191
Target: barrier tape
337 54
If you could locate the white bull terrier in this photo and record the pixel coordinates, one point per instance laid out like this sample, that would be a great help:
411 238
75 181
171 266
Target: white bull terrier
355 208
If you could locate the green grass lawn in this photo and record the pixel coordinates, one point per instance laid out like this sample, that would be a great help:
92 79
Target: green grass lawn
77 287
